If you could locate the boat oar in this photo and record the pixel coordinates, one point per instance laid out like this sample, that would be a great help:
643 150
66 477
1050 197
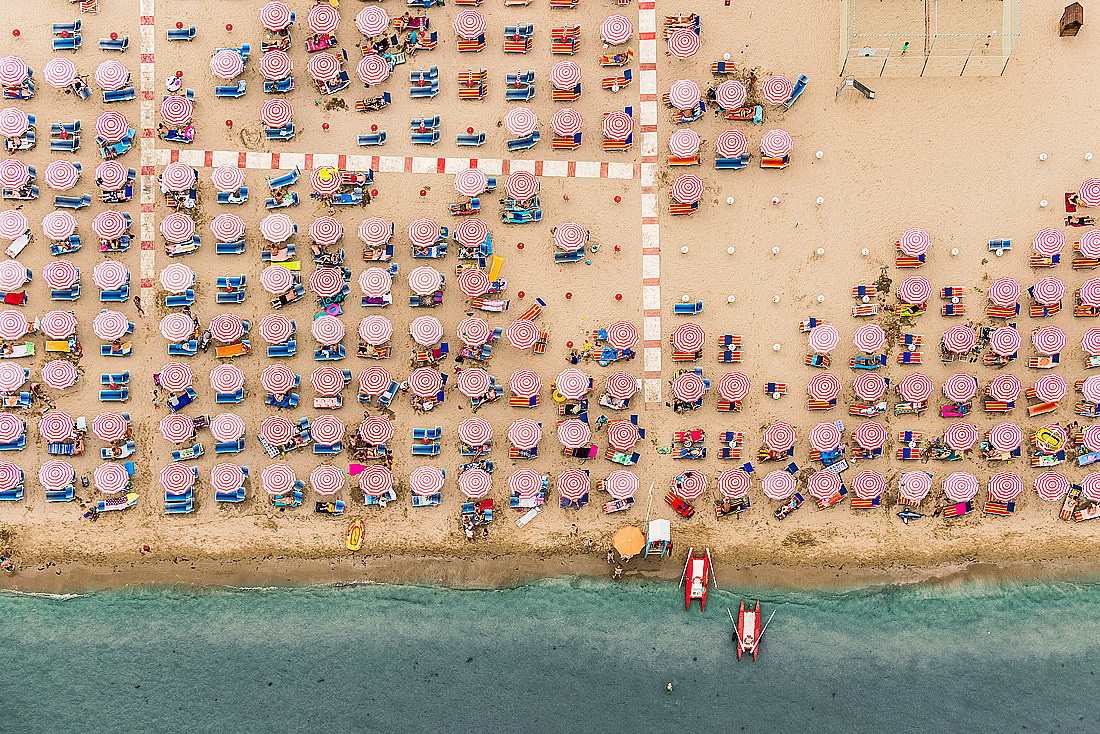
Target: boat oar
761 635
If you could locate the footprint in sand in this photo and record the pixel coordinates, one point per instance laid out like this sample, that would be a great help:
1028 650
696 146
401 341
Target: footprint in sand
250 139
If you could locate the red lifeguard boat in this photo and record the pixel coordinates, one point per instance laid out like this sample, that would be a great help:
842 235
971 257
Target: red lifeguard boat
697 572
747 630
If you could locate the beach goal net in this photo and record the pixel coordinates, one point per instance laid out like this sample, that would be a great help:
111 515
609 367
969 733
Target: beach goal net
927 37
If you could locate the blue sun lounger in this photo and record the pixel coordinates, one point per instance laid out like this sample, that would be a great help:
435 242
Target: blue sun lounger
114 44
237 91
181 34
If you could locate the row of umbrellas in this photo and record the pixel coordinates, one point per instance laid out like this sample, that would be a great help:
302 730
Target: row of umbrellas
959 339
1047 242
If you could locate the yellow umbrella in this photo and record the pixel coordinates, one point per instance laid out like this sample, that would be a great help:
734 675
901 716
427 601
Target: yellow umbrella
629 541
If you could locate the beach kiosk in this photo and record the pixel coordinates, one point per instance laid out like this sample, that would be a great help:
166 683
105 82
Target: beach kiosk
658 537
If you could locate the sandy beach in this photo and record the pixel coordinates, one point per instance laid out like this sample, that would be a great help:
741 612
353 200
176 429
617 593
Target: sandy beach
956 156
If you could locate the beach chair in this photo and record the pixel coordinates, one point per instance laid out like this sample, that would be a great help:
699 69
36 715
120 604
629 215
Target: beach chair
114 44
67 43
769 162
1040 261
126 94
523 143
687 309
796 91
181 34
475 140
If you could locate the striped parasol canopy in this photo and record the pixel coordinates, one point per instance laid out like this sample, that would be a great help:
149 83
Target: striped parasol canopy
1090 292
110 224
176 377
58 324
372 21
276 279
372 69
176 428
1005 487
1048 340
916 387
276 112
915 290
426 480
111 175
776 89
961 436
276 430
426 330
276 65
175 109
959 339
474 331
617 125
376 480
683 143
960 486
324 180
374 380
869 338
776 143
525 433
326 231
13 71
474 382
1005 341
425 280
14 173
56 474
475 431
278 379
375 330
110 275
11 476
573 484
914 486
824 338
59 72
326 479
960 387
474 282
1051 388
825 436
823 386
683 43
1051 486
13 224
327 380
323 66
111 478
779 485
1049 242
779 436
375 430
12 376
869 386
868 484
622 435
616 29
1005 388
323 18
730 94
520 121
1089 246
522 334
1089 192
471 182
177 227
689 387
573 384
622 335
1006 436
734 386
1090 487
226 64
468 24
621 385
277 479
731 144
574 433
176 277
227 427
565 75
110 325
688 337
687 188
1090 388
226 379
375 282
684 94
526 483
13 325
112 75
914 242
870 435
226 477
475 483
824 484
326 282
11 427
689 485
525 383
227 327
570 236
734 483
1049 290
425 382
275 16
327 430
61 175
1004 291
111 126
566 121
471 232
57 226
621 484
521 185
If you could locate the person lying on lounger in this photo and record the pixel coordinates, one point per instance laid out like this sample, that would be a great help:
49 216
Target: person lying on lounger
1080 221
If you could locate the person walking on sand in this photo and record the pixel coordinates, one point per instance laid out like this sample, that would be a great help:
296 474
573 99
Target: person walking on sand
137 305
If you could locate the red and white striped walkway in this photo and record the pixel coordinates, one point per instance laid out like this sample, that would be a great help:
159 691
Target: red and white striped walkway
651 233
147 149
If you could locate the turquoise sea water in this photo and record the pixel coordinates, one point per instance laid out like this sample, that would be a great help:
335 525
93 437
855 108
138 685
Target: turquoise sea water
556 656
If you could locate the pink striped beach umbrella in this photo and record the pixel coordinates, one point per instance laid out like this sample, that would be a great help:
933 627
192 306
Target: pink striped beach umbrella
176 327
566 121
326 282
617 125
471 232
56 474
13 71
474 331
621 484
59 324
1088 194
687 188
731 93
616 29
324 180
1049 242
734 483
474 282
327 330
376 480
278 379
110 224
12 224
426 330
824 484
275 16
111 478
1089 246
574 433
276 430
276 65
622 335
684 94
176 376
1049 291
375 231
176 277
1090 388
1090 292
278 479
425 280
689 485
688 337
372 21
960 486
959 339
323 18
14 173
779 436
111 175
227 327
323 66
474 382
525 433
276 112
1091 437
469 24
327 430
227 427
374 380
475 483
11 428
683 43
522 334
960 387
176 428
327 380
914 242
1051 486
375 330
868 338
59 72
621 385
110 275
1050 388
869 386
573 384
372 69
177 227
325 231
565 75
425 382
734 386
471 182
525 383
226 477
61 175
870 435
1005 487
1048 340
12 376
684 143
111 126
1090 487
1004 291
1005 388
914 486
622 435
573 484
525 482
326 479
112 75
916 387
375 282
823 386
13 325
175 109
227 379
426 480
731 144
915 290
520 121
689 387
570 236
277 228
776 143
776 89
779 485
276 279
475 431
961 436
825 436
58 225
110 325
868 484
1005 341
824 338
